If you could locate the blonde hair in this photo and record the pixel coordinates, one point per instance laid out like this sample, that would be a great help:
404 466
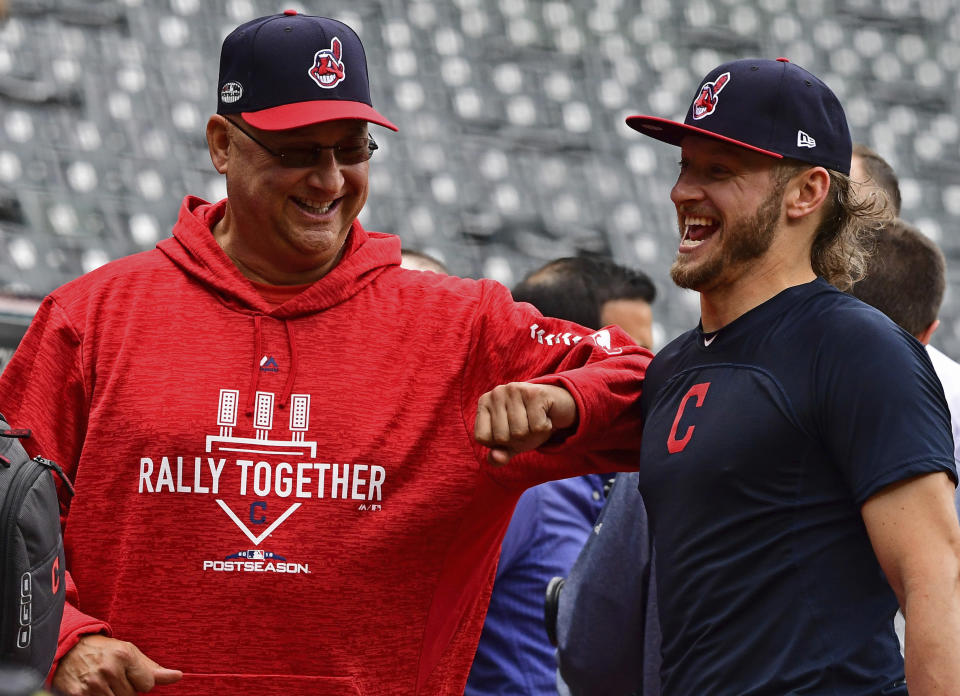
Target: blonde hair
844 239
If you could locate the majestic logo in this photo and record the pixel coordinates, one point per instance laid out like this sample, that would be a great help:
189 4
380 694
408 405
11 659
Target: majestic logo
268 364
804 140
231 92
706 102
328 70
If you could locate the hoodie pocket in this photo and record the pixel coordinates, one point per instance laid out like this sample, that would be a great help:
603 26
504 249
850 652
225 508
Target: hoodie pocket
260 684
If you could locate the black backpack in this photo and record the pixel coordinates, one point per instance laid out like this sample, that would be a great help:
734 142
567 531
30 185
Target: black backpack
31 553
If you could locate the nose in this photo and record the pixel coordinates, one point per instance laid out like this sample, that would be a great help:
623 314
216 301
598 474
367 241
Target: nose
326 174
685 189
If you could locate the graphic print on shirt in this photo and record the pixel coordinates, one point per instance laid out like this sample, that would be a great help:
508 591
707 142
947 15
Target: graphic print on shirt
698 392
260 482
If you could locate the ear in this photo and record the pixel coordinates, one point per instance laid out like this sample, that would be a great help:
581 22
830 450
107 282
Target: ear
806 192
925 335
218 142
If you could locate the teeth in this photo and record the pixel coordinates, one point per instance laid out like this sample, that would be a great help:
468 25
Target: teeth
699 220
316 207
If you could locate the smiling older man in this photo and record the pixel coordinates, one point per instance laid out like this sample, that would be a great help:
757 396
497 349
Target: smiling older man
293 459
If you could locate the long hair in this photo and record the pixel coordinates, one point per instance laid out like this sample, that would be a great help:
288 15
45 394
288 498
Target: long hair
845 235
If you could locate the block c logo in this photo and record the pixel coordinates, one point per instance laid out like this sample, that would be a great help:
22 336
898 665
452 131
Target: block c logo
675 445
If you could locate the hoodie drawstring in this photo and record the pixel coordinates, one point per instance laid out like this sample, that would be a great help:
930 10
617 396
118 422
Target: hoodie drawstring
255 378
257 357
294 364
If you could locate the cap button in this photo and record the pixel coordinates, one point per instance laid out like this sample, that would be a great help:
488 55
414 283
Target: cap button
289 13
784 60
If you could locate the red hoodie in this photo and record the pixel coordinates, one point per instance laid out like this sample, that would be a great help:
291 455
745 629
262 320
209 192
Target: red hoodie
290 500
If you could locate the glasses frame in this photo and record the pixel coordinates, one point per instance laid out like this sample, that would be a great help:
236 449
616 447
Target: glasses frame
286 158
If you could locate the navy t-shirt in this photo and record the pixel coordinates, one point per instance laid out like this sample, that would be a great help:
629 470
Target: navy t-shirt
760 444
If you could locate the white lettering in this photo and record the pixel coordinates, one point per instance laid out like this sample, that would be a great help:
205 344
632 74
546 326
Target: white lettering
377 476
261 484
165 478
264 479
256 567
146 468
322 468
244 464
197 466
283 480
215 471
303 479
180 487
340 481
357 481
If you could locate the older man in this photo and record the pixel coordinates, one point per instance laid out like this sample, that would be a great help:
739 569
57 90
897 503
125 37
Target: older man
278 437
797 463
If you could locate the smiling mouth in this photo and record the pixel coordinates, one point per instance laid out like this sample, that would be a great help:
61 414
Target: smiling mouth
697 228
314 207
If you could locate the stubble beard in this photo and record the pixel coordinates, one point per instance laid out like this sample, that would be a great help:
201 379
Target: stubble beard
742 242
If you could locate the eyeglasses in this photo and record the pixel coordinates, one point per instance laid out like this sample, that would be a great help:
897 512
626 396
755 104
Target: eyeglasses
350 151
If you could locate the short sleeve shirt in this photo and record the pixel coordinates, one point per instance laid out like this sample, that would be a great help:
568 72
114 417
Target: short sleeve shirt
760 444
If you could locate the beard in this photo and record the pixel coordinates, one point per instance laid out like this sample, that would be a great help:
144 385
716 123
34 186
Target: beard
742 242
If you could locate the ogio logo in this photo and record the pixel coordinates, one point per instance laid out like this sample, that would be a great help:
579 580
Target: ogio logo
26 611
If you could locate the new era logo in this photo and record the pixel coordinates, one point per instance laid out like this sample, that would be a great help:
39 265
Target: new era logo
804 140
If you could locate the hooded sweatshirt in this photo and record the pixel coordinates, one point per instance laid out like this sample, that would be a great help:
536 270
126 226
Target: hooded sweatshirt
288 499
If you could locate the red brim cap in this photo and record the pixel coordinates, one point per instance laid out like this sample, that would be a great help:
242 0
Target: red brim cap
674 132
299 114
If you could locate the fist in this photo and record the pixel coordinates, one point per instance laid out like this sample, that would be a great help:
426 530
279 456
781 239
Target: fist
521 416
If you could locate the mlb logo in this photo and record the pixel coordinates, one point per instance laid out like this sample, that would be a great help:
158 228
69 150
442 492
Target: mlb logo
256 555
231 92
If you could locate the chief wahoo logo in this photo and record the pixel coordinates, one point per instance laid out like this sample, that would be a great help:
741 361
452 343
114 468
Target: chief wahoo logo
706 102
328 70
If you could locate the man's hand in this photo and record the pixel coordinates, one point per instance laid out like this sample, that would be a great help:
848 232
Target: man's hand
521 416
101 666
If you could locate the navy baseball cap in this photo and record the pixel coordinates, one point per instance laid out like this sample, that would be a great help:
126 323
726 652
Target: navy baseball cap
290 70
770 106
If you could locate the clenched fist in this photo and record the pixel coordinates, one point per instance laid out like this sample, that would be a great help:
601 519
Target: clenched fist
521 416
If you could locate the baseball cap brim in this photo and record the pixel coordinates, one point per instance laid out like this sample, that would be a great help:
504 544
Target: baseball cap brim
307 113
674 132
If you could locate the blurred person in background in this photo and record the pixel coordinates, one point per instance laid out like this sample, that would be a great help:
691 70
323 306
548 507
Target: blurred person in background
870 172
294 460
906 280
421 261
911 288
552 521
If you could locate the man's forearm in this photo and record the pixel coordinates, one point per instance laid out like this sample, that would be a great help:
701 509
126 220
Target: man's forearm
932 638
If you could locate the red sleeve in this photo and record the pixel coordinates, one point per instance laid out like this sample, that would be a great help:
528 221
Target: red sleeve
603 371
74 625
43 388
